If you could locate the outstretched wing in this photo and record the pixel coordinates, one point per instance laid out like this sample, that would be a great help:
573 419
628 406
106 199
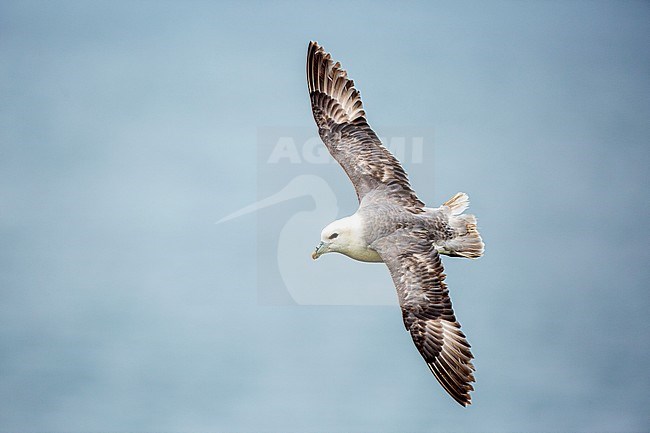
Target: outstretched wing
417 272
342 126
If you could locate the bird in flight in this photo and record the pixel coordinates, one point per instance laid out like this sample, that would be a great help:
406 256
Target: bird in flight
393 226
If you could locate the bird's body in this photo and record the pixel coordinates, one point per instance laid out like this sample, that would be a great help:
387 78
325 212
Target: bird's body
452 234
393 226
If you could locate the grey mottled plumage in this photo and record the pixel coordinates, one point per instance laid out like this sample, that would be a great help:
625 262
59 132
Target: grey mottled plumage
393 226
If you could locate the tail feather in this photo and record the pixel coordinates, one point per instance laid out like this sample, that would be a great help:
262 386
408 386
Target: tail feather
467 241
458 203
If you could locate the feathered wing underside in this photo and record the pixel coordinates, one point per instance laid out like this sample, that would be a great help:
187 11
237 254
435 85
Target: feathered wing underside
341 120
418 275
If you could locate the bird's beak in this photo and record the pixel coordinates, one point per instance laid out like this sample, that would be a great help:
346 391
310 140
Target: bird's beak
320 249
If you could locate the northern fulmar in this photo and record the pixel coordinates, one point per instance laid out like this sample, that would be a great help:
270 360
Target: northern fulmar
393 226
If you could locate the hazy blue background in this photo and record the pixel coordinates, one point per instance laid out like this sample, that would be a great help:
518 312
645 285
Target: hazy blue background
128 128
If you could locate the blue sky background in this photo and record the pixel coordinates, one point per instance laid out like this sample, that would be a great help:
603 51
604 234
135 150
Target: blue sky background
128 128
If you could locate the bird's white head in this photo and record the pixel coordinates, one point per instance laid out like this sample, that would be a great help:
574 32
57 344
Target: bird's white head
341 236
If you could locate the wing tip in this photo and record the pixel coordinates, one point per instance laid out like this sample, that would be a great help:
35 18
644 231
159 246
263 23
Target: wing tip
452 364
313 47
328 77
460 394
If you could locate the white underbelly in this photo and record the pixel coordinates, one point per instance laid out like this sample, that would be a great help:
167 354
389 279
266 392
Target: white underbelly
364 255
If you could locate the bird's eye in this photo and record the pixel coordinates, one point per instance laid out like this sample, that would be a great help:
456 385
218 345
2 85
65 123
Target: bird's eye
333 236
